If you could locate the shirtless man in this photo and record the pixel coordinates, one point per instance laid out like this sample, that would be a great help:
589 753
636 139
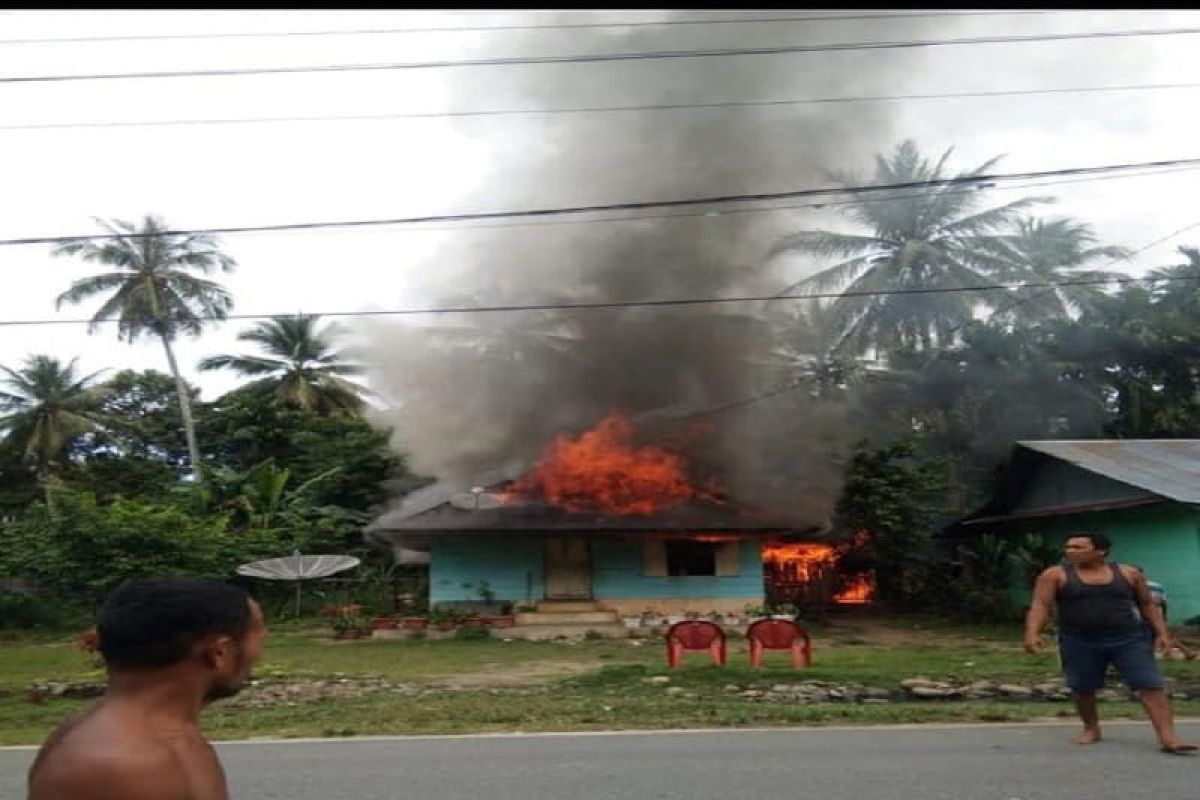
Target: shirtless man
171 646
1097 626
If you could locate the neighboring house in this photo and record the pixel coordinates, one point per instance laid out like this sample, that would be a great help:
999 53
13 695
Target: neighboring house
1142 493
698 557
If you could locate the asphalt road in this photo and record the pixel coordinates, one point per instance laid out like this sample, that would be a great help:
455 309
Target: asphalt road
996 762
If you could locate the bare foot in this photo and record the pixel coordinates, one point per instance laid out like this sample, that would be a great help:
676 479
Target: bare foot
1088 736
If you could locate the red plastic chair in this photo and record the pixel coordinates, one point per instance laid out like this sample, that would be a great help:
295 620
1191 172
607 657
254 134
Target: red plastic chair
695 635
779 634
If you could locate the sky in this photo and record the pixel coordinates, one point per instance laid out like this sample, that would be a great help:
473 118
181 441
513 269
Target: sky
195 176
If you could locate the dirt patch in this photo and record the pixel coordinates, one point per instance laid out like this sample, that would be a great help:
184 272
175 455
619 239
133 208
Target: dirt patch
882 634
515 675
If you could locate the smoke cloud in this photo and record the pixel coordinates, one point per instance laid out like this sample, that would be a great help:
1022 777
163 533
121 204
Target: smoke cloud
473 393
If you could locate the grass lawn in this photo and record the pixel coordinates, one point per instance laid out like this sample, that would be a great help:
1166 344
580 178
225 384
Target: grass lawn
468 686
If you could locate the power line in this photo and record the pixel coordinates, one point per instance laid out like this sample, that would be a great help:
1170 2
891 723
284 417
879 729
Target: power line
666 303
827 204
599 57
628 206
1111 262
547 26
792 386
607 109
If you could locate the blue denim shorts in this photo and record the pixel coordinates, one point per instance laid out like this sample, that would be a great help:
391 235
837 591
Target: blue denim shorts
1086 656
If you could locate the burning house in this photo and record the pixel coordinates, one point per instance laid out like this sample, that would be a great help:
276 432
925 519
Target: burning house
621 525
560 325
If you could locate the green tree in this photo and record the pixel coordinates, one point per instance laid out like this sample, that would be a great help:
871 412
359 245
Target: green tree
45 407
155 288
86 549
934 238
299 367
1053 251
889 503
245 428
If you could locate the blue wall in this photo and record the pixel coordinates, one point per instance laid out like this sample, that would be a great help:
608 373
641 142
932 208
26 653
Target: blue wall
513 567
619 567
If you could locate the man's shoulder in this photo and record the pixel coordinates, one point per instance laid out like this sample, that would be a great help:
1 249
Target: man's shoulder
103 768
1054 572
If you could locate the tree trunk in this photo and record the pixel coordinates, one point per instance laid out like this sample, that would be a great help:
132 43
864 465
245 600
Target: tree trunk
185 411
43 479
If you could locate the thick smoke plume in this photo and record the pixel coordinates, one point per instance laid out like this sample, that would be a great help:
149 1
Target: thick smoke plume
472 394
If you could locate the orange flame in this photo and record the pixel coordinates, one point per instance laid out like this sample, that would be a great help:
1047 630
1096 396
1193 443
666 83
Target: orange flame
604 471
806 562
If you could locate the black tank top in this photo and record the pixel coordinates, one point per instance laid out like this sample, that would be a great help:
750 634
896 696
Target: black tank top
1103 608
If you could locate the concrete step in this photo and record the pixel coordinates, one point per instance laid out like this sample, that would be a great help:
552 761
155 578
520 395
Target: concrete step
567 618
541 633
566 606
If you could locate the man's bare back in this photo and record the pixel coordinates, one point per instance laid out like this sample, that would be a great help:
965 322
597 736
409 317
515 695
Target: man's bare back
111 751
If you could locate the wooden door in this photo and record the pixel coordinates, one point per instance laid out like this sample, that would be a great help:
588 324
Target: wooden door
568 568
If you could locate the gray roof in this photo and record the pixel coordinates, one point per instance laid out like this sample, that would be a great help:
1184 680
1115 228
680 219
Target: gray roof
1166 467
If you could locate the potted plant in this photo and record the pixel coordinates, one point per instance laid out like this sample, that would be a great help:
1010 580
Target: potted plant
384 624
348 622
415 623
444 619
505 619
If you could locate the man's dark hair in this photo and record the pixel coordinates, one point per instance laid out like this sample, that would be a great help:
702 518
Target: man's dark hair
155 622
1098 540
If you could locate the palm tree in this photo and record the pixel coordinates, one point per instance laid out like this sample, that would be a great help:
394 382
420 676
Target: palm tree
300 365
153 290
44 407
1053 251
924 239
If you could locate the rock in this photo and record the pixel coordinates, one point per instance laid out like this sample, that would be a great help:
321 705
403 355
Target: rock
1013 690
875 693
674 690
754 694
659 680
732 688
926 692
913 683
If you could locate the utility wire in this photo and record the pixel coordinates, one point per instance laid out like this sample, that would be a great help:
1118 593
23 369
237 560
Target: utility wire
628 206
605 109
620 304
827 204
547 26
802 383
1111 262
599 57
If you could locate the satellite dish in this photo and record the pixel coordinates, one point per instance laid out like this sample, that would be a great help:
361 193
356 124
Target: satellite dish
476 501
298 568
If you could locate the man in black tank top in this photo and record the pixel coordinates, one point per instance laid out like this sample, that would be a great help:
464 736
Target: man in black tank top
1097 626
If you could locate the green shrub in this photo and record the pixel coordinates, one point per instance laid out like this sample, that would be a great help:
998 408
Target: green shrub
86 549
470 633
20 611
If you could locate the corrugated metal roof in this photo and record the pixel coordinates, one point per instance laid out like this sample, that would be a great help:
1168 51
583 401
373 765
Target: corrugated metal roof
1166 467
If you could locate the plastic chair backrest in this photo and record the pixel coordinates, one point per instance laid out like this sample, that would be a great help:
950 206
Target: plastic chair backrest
695 634
774 634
